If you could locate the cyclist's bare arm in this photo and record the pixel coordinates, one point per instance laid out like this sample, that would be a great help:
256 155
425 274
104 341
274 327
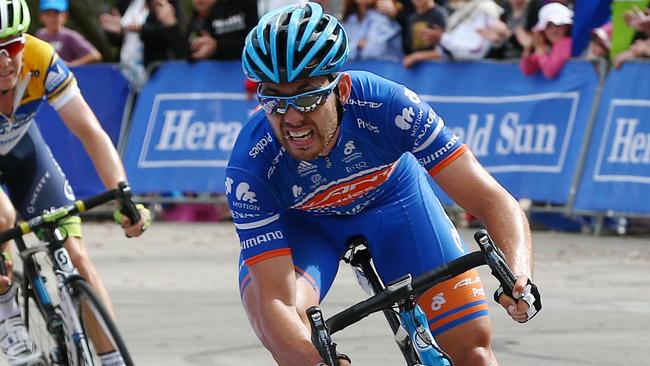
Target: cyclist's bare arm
83 123
279 323
475 190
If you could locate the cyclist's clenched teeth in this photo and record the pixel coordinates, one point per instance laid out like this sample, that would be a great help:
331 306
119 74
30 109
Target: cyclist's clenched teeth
299 135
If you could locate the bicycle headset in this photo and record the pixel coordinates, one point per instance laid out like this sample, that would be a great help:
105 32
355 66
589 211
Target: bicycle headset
295 42
14 17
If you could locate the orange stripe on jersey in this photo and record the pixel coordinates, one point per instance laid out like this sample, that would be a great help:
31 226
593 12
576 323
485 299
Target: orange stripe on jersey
448 160
346 192
267 255
454 301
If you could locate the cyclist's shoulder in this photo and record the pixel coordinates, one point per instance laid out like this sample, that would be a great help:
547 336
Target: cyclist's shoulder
38 54
370 89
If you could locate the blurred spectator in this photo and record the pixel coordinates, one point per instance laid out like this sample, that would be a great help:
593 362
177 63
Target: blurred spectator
549 48
159 33
218 28
461 39
640 21
122 28
424 30
71 46
517 21
371 34
601 43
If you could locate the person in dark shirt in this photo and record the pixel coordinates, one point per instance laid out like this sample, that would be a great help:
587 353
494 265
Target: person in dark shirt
219 27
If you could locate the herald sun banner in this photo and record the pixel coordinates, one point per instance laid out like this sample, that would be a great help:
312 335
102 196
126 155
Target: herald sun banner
617 172
526 131
185 124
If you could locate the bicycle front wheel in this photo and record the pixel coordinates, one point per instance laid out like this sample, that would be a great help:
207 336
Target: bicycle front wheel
47 335
97 324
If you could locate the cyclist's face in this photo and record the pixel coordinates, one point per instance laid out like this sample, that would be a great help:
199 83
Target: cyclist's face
9 64
307 135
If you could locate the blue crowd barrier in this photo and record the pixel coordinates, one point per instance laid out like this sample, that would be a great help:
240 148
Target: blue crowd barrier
617 171
527 131
106 91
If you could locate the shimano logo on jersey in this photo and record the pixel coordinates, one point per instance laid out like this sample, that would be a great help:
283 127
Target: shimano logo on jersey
364 103
231 24
261 239
367 125
440 152
260 145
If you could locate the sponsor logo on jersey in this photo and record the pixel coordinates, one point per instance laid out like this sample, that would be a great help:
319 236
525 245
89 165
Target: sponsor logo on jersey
356 166
261 239
228 185
440 152
245 198
349 148
437 301
342 193
404 120
467 282
305 168
55 76
243 215
367 125
364 103
274 163
296 190
413 97
37 191
260 145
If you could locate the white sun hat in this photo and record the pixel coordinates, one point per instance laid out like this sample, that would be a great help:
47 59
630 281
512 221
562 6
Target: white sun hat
555 13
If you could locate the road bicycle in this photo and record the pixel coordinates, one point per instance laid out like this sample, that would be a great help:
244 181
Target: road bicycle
58 324
398 300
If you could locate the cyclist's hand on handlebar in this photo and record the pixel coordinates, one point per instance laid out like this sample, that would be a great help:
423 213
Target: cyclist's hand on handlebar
526 302
130 229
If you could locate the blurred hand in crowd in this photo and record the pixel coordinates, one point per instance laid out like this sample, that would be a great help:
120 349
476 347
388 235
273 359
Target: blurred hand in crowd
387 7
524 37
203 46
640 48
164 12
496 33
539 42
638 19
111 22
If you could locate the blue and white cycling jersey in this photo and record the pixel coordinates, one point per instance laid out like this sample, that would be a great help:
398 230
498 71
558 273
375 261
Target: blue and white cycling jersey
387 132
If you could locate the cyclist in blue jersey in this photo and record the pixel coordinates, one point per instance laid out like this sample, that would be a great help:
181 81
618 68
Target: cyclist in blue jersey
333 154
30 71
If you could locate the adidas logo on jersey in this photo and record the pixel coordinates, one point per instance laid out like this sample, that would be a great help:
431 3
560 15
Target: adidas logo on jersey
305 167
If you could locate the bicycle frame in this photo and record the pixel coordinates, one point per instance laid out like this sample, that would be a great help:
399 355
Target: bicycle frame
411 327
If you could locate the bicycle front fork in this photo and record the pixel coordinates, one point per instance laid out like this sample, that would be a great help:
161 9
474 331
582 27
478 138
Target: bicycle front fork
415 323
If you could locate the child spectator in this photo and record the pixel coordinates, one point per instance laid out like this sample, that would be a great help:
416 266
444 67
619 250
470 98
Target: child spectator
549 48
461 39
71 46
371 34
601 43
424 30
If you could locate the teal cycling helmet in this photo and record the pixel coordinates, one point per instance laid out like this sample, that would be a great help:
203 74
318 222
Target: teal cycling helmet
14 17
295 42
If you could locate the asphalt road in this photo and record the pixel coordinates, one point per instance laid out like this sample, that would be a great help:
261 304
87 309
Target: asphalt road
175 293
